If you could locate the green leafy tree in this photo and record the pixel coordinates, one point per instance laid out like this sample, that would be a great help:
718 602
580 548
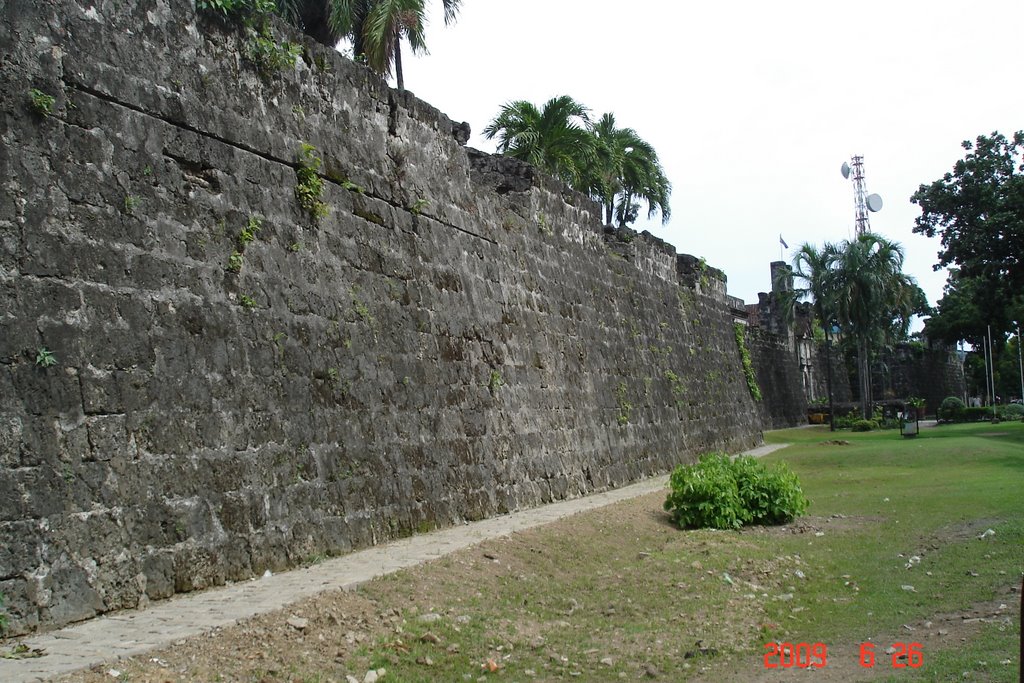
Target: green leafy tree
968 305
978 211
555 138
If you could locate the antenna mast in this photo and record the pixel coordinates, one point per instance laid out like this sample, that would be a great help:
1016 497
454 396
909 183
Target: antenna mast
860 193
863 203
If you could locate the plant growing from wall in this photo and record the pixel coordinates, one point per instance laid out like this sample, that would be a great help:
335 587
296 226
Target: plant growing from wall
235 262
625 407
41 103
676 385
248 233
45 358
543 225
702 268
495 382
3 615
352 187
263 50
748 364
417 206
261 45
309 186
361 310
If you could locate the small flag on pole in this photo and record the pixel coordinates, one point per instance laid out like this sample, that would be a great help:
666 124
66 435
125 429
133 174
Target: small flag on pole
783 242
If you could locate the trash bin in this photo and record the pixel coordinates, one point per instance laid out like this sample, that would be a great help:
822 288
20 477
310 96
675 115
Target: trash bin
909 425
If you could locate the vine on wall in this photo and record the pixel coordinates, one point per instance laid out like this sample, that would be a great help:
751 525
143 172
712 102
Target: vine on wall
748 365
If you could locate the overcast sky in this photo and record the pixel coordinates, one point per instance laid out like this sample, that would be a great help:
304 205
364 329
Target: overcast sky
753 106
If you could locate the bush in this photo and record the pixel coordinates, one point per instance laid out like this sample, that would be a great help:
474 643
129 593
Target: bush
769 496
846 421
1011 411
720 493
863 426
705 494
975 414
951 409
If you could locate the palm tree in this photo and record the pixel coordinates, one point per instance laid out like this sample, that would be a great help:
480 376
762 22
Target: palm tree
555 138
376 28
627 168
813 268
868 290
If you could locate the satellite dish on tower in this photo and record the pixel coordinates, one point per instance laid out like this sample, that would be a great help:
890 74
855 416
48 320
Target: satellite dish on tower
863 203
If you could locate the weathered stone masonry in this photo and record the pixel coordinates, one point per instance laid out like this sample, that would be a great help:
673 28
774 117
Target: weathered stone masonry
455 339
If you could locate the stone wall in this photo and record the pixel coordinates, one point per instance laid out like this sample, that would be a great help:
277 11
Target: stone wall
239 386
826 360
932 373
783 403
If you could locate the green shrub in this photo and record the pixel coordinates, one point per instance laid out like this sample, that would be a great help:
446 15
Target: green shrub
705 494
846 421
1011 411
768 496
951 409
975 414
864 425
720 493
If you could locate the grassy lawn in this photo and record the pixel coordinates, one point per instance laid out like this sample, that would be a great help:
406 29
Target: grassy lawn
889 554
929 497
639 594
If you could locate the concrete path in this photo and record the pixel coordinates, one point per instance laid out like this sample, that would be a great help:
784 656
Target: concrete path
133 632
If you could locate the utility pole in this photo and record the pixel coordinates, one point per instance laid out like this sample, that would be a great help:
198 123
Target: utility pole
1020 362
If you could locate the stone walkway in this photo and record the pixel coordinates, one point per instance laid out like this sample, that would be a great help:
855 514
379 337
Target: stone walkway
133 632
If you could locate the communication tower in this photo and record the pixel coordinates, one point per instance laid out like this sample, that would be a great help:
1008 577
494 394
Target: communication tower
863 203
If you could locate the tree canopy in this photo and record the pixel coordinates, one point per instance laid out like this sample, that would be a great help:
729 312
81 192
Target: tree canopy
977 209
859 285
555 137
626 171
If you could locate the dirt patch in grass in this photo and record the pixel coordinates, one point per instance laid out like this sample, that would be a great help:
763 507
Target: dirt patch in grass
265 648
964 530
815 525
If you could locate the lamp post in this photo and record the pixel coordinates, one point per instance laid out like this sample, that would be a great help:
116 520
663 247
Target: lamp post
828 372
1020 363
